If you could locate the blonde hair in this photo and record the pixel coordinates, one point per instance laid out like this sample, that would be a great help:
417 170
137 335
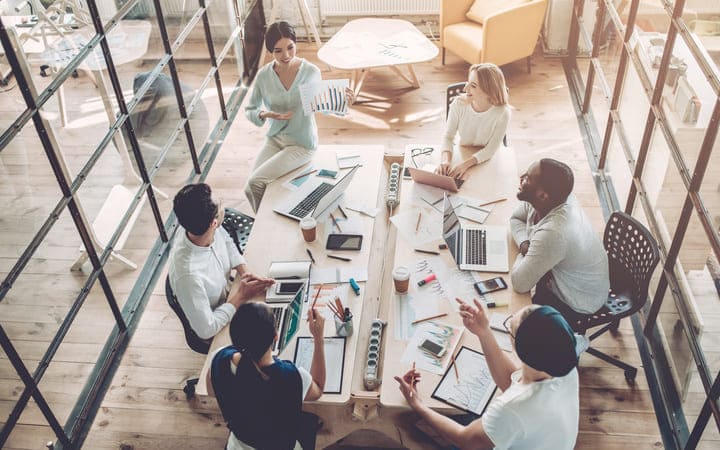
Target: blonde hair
492 82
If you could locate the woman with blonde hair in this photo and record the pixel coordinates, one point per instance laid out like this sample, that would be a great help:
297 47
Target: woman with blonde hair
480 116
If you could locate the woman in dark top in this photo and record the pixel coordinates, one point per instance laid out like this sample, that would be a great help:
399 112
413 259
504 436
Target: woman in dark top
261 396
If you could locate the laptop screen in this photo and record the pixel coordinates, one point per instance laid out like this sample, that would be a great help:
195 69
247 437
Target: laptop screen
451 228
334 193
291 324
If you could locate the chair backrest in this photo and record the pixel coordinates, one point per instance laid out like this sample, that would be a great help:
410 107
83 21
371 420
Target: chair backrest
195 342
632 256
453 91
238 226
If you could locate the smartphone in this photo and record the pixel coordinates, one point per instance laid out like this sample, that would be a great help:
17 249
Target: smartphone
344 242
327 173
288 287
491 285
406 174
433 348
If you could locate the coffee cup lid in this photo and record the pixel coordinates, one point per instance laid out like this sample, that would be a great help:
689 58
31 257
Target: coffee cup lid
401 273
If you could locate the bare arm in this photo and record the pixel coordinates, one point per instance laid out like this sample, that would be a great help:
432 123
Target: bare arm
316 323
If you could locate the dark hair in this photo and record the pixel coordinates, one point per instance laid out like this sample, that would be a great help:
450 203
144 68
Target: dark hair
556 178
277 31
195 208
252 330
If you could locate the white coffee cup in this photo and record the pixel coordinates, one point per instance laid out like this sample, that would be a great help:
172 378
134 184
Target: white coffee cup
308 226
401 278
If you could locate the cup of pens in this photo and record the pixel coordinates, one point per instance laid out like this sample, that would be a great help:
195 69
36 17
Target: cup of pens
343 318
344 327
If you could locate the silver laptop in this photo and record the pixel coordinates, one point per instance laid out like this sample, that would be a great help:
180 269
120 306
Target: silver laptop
287 320
481 248
314 197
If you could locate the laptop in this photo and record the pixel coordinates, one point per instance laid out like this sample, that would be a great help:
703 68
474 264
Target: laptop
314 197
481 248
287 320
431 178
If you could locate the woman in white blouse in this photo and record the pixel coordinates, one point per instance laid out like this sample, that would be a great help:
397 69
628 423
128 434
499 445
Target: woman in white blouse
480 116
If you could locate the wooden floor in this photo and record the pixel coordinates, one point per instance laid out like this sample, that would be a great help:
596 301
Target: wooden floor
145 407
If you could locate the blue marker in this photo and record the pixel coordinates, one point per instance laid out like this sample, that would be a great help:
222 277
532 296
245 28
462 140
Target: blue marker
354 286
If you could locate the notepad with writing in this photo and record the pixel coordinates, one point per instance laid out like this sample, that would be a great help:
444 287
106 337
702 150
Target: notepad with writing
334 360
471 387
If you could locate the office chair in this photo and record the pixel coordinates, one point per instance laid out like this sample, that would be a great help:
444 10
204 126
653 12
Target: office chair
455 89
632 258
195 342
238 226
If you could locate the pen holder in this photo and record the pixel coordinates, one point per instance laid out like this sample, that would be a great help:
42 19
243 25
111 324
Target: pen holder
343 328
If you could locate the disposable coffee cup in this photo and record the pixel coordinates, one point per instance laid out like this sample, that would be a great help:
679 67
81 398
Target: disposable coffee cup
308 226
401 277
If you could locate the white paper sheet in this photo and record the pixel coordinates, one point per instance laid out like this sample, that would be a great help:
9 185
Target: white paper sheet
338 275
334 359
427 229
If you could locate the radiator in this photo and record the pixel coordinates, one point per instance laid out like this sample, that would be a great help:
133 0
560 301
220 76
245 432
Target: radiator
378 7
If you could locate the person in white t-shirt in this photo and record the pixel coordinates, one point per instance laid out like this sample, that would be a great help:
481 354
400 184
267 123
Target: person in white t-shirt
539 407
201 260
480 116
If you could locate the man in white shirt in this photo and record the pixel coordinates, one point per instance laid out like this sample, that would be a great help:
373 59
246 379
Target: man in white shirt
539 407
202 258
560 253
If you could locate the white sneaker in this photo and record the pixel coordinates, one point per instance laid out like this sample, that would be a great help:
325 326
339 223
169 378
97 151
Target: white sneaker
582 343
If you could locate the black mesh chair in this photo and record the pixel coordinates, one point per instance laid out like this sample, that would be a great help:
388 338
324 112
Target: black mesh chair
453 90
238 226
195 342
632 258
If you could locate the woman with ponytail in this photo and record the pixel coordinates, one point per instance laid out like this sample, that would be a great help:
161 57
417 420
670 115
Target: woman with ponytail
261 396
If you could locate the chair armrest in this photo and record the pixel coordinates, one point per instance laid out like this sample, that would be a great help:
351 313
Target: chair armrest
453 11
512 34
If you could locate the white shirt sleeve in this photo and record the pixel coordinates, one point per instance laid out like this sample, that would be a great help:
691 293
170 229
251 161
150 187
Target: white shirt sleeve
451 126
306 381
518 223
496 137
196 305
254 105
547 248
502 425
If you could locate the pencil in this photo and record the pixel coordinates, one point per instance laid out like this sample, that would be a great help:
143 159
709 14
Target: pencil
341 258
433 206
429 318
339 305
417 225
310 255
334 311
306 174
317 294
335 222
491 203
454 364
429 252
342 211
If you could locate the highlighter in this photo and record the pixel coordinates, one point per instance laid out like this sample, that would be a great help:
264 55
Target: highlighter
354 286
427 279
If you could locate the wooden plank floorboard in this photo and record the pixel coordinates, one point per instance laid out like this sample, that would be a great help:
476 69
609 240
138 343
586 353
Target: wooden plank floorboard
145 407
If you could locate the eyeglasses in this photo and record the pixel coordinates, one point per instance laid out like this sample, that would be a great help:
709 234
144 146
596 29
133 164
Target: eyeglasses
418 152
506 325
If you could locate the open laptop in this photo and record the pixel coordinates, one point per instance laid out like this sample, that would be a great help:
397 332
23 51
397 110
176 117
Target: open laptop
314 197
287 320
431 178
482 248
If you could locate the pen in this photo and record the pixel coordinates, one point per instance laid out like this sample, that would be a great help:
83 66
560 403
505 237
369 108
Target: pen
454 364
477 207
317 294
417 225
429 318
429 252
433 206
335 222
493 202
412 379
342 211
310 255
426 280
341 258
303 175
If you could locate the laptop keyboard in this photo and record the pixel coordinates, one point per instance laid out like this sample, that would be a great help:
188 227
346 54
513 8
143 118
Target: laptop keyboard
277 316
476 247
309 203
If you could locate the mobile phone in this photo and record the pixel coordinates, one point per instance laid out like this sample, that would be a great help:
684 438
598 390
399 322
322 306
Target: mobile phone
344 242
406 174
288 287
327 173
433 348
491 285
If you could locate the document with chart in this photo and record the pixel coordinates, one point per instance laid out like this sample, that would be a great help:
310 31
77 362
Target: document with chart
467 383
325 96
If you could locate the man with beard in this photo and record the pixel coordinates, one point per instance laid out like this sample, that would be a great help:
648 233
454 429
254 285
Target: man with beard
560 254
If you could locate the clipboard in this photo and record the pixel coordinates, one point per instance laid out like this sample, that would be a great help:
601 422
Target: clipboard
476 387
334 353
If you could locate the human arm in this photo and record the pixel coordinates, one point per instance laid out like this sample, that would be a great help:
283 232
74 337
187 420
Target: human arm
451 127
253 109
246 287
495 140
545 250
195 304
518 226
476 321
316 323
472 436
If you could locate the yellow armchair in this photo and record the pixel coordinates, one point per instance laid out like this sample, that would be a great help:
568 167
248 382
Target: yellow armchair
505 36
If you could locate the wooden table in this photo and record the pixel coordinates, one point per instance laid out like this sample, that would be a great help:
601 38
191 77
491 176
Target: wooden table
364 44
277 238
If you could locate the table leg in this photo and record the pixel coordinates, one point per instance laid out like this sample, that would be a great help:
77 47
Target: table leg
358 79
412 79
